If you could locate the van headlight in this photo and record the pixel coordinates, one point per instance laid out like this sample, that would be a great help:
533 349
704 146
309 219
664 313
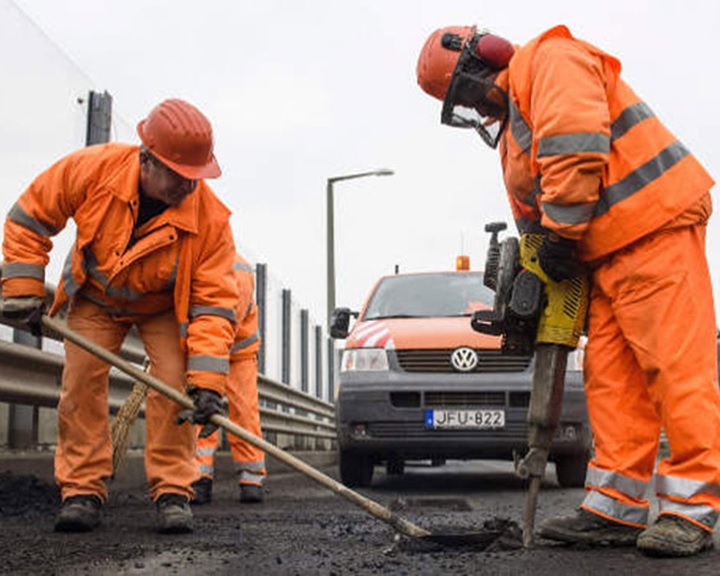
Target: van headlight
364 360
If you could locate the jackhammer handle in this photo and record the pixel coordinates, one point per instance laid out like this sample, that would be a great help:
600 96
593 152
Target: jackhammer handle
400 524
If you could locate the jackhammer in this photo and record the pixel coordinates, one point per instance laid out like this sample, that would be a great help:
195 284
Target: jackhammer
533 313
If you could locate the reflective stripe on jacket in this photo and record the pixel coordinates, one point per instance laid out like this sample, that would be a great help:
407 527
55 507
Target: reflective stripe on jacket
188 249
583 155
247 337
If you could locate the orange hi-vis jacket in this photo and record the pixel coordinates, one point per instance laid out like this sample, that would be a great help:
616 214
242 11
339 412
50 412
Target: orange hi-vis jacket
181 259
584 156
247 337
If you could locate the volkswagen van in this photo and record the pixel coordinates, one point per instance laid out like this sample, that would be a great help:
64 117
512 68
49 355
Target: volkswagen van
417 383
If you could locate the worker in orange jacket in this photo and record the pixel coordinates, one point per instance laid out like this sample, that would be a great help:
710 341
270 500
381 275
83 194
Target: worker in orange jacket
586 162
153 250
242 397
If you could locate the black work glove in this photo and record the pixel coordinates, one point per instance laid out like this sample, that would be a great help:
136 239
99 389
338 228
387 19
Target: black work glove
24 309
207 402
558 258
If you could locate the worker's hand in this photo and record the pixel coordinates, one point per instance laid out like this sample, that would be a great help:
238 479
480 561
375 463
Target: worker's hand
25 309
207 402
558 258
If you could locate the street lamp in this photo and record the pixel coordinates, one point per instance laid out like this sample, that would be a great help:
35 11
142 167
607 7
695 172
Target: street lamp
331 232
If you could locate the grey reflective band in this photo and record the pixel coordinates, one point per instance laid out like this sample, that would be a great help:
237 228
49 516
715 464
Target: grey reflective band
71 287
611 508
19 216
249 477
173 277
641 176
698 512
631 116
684 487
531 199
204 363
242 267
22 270
597 478
573 144
570 213
123 292
205 450
520 129
183 329
196 311
206 469
258 466
244 343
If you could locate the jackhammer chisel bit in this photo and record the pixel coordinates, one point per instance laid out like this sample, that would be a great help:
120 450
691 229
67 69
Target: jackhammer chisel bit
543 417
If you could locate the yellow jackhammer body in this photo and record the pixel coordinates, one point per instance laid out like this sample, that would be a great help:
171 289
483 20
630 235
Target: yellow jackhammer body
533 313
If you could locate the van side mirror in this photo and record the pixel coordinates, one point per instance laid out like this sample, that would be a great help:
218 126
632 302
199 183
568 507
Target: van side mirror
340 322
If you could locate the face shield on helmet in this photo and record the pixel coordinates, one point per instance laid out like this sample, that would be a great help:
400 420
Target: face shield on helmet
473 99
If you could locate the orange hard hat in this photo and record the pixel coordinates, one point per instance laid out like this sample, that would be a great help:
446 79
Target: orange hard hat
437 61
180 136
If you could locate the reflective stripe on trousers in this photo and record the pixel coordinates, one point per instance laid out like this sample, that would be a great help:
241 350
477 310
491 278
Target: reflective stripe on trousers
648 368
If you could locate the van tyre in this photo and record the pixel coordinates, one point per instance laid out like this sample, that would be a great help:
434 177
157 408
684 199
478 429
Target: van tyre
571 470
356 470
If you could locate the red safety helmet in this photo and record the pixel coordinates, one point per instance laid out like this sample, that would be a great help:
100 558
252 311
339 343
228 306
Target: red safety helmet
181 137
458 65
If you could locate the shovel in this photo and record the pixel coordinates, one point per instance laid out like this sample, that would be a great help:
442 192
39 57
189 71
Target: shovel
400 525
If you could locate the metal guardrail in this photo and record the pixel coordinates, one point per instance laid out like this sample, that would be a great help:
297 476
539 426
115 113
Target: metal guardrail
33 377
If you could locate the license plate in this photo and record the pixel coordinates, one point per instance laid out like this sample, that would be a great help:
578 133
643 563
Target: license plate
479 419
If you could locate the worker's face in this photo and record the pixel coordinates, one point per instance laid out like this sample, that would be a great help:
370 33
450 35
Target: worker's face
475 100
162 183
484 96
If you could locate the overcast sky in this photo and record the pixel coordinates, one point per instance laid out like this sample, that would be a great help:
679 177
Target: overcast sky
303 90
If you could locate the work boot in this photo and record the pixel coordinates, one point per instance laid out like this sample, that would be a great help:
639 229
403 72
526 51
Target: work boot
203 491
588 528
173 514
674 536
79 513
251 493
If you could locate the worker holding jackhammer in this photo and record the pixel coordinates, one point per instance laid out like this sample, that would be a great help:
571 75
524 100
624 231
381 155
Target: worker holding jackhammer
153 250
242 399
587 163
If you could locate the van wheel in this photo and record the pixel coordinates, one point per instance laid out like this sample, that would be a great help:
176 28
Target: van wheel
395 467
356 470
571 470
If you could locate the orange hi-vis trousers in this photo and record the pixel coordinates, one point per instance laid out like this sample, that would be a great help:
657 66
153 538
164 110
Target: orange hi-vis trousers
83 458
242 396
651 365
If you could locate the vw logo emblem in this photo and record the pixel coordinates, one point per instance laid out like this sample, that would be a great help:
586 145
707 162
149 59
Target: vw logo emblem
464 359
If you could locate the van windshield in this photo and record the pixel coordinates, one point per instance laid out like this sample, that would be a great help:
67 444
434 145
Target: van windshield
429 295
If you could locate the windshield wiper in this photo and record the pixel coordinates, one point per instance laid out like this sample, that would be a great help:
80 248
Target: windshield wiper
386 316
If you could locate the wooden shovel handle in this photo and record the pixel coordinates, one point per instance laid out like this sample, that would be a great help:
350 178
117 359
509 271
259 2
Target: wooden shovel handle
401 525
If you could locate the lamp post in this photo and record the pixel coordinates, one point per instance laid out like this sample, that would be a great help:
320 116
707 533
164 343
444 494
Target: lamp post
331 232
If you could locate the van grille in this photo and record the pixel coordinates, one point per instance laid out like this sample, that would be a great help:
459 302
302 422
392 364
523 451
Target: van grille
468 399
464 399
407 430
438 361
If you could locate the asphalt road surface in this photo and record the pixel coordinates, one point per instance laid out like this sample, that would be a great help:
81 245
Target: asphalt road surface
304 529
